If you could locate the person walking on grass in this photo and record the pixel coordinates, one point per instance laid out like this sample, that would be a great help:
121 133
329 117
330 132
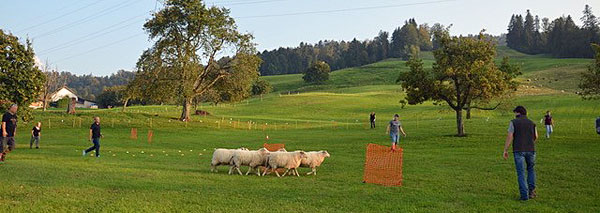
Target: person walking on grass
372 119
9 131
393 129
549 123
35 135
95 136
522 133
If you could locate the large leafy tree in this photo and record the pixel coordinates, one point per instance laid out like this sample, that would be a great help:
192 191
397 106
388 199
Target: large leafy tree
20 80
189 36
590 81
317 73
464 71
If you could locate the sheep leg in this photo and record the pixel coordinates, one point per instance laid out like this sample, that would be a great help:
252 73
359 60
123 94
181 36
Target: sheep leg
230 169
286 172
249 169
296 171
238 169
313 171
265 172
277 173
258 171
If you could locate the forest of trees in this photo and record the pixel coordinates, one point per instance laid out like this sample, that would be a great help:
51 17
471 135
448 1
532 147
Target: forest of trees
343 54
560 38
88 86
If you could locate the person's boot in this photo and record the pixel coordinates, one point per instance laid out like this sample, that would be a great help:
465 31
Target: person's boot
532 194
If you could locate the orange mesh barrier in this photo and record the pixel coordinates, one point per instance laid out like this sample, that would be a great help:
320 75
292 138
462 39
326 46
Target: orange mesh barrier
150 135
383 166
273 147
133 134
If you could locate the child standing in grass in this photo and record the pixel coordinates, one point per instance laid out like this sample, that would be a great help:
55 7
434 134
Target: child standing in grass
35 135
95 136
393 129
549 122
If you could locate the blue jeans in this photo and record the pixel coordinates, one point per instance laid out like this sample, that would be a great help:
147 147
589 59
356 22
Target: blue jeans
522 158
549 130
96 146
395 137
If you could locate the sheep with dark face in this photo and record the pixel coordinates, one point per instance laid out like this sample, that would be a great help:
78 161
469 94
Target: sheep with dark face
252 159
223 157
287 160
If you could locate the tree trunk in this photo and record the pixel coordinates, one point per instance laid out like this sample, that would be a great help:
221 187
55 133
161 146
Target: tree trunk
125 105
187 107
71 107
459 123
468 112
45 103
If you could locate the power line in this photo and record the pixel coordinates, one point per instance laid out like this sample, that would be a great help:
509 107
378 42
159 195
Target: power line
91 36
232 3
100 47
344 10
60 16
104 12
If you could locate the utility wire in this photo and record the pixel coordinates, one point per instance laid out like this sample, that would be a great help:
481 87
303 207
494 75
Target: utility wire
92 35
60 16
88 18
100 47
232 3
344 10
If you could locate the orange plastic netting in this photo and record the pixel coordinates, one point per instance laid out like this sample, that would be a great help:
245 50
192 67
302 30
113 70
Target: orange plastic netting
383 166
274 146
134 134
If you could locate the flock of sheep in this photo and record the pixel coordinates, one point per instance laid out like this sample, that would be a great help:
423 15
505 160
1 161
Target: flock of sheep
254 159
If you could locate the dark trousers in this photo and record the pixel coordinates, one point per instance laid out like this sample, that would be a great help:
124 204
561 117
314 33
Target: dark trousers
525 161
372 124
96 146
35 139
7 141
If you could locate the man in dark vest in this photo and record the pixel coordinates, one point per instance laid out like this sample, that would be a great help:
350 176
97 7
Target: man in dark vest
522 133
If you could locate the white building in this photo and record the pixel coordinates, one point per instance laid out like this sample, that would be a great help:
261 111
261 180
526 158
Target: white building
65 92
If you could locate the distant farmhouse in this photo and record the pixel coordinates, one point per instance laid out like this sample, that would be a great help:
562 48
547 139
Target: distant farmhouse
65 92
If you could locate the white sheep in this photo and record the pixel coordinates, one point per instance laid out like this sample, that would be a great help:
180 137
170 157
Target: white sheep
223 157
287 160
252 159
313 160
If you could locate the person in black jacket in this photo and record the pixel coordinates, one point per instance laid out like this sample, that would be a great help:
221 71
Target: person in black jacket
95 136
522 133
372 119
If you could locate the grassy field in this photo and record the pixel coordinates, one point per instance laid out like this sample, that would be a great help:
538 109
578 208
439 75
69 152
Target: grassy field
442 173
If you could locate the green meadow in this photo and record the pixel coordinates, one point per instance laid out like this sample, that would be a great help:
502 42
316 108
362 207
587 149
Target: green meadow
441 173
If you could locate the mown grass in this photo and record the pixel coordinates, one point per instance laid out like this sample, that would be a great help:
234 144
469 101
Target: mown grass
442 173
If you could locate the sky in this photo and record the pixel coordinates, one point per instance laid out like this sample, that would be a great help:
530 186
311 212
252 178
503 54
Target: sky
100 37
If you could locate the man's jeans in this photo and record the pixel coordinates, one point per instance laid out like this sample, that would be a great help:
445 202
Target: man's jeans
522 158
96 147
